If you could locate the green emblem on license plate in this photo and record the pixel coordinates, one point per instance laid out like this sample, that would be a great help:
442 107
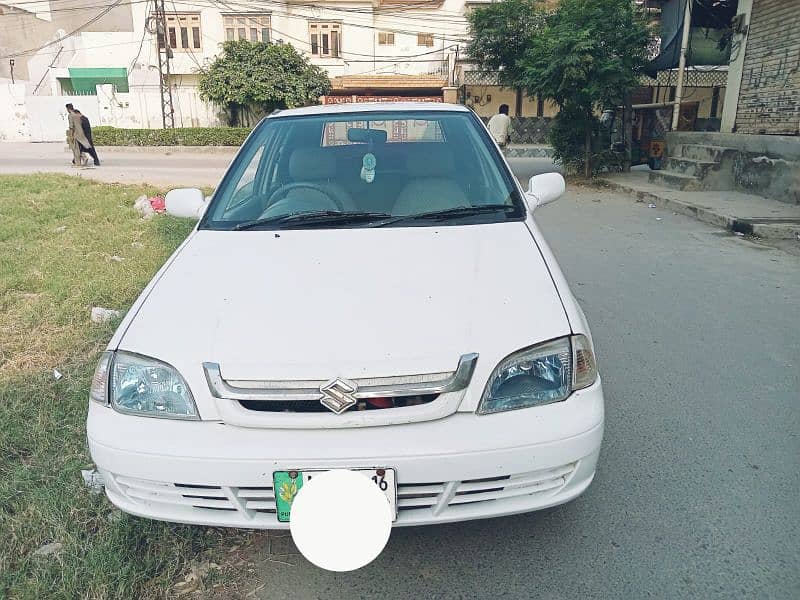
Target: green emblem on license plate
286 485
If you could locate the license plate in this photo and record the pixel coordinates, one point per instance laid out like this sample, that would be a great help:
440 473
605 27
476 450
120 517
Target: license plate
286 484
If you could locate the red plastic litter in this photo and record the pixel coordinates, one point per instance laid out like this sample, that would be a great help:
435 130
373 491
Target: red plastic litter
158 204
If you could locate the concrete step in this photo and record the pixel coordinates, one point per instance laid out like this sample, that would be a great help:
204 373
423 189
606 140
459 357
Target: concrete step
690 166
735 211
676 181
703 152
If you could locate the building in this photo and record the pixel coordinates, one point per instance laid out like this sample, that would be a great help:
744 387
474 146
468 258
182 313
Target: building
763 95
371 49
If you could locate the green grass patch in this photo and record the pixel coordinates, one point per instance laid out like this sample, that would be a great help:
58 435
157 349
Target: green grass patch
188 136
58 235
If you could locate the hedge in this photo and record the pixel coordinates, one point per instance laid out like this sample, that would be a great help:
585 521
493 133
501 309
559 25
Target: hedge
189 136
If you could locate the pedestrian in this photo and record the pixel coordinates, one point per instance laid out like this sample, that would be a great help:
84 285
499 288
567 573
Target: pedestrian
71 142
81 142
500 126
87 131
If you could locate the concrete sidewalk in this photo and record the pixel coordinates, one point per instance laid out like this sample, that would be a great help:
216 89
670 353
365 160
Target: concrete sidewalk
734 211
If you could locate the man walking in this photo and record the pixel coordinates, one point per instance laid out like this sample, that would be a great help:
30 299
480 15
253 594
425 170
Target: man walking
500 126
87 132
77 133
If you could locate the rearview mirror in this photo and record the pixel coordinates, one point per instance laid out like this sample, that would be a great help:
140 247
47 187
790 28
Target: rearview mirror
185 202
543 189
366 136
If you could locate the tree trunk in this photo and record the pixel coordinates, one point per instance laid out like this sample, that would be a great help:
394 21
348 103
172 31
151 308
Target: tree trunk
587 159
627 132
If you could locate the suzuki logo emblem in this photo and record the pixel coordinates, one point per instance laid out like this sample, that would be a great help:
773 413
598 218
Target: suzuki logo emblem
337 395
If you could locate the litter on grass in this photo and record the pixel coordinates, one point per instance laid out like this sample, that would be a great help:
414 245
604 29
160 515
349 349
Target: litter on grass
49 549
102 315
57 374
93 480
148 207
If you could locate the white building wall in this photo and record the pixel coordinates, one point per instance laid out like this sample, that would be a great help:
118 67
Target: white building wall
36 117
361 53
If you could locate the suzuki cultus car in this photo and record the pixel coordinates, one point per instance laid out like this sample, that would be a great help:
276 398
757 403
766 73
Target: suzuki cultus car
366 289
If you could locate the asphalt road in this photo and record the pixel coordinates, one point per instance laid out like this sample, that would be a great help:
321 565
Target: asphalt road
165 167
696 496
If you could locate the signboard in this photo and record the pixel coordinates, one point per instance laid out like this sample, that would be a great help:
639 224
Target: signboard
357 99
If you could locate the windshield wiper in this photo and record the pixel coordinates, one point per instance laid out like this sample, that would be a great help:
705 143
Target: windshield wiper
459 211
317 217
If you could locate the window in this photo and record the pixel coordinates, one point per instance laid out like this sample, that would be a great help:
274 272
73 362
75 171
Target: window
385 38
425 39
422 161
251 27
183 32
326 39
335 133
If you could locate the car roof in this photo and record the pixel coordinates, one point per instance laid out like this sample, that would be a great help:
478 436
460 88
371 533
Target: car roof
368 107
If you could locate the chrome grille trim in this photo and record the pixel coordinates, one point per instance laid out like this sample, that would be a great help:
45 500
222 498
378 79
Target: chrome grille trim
382 387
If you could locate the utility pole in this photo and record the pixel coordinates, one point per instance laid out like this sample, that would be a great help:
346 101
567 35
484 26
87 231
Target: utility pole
164 54
687 23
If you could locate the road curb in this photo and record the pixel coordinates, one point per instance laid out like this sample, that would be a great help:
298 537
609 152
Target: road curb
750 226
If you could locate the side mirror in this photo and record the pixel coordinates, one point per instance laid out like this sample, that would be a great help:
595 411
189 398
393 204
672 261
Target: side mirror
185 202
543 189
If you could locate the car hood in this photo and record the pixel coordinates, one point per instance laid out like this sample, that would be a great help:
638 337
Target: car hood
318 304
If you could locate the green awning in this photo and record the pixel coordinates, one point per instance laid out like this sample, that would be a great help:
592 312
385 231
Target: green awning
85 79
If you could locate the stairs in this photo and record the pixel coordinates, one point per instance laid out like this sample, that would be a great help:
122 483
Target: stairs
697 167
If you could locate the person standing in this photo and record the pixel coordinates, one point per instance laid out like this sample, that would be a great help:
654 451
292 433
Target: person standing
500 126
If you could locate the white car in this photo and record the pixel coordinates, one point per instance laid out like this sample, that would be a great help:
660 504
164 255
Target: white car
366 290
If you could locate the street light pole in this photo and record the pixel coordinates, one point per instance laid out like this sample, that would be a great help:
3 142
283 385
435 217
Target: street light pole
687 22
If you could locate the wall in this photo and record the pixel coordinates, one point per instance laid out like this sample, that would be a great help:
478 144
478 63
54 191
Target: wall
44 118
501 95
769 98
738 50
24 30
703 96
14 116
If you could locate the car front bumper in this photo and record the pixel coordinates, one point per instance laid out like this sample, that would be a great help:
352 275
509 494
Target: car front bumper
461 467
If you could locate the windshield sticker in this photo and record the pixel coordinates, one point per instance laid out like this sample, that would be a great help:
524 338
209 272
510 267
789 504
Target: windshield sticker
368 167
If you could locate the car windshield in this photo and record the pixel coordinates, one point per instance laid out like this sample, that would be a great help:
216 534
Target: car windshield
365 169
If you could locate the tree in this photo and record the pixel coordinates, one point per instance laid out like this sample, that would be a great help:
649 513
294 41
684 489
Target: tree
251 76
585 56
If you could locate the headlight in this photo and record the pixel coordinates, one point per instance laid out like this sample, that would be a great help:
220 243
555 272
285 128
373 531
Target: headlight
149 388
540 375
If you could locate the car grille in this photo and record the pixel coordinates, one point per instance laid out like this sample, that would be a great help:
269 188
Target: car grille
257 503
317 406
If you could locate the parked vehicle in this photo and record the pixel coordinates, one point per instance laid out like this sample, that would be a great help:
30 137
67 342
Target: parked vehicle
367 289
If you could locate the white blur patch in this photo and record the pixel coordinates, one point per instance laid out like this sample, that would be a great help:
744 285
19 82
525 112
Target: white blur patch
340 520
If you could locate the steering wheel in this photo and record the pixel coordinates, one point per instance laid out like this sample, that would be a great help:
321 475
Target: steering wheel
285 189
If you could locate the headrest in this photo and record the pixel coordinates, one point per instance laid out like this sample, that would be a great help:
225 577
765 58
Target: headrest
430 162
311 163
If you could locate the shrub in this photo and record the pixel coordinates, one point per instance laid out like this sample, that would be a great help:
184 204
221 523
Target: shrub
189 136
